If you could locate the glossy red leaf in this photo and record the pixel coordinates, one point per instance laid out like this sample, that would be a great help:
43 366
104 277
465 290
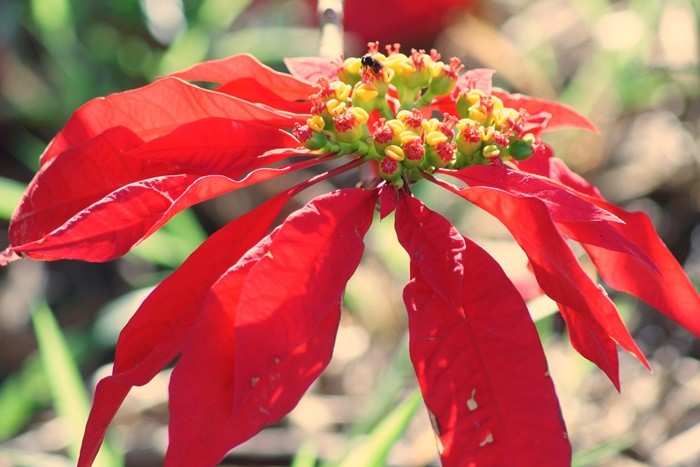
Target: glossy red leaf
562 204
590 340
563 116
311 69
482 371
667 287
267 329
670 291
252 91
156 110
544 163
155 334
434 245
560 275
97 200
388 200
576 218
245 67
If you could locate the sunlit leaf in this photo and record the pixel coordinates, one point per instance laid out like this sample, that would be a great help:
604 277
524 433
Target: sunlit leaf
270 321
97 200
482 371
156 110
155 334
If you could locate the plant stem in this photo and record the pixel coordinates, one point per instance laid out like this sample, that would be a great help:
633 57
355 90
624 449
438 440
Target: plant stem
330 20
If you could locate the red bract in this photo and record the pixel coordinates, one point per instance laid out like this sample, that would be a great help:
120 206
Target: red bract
251 315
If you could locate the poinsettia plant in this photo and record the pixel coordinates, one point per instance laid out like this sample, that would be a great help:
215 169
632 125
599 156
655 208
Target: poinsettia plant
251 315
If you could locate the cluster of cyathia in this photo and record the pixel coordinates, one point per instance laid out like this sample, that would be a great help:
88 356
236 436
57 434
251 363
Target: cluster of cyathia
401 136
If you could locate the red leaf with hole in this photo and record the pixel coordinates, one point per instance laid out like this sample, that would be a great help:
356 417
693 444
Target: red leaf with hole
482 371
157 109
97 200
155 334
267 329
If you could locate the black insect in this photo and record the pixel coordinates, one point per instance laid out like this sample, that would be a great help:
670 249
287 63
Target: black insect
370 62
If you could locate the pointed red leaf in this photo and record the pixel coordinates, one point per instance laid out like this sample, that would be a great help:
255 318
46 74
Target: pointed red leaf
591 340
156 110
97 200
244 67
667 287
563 116
544 163
388 200
576 218
434 245
482 371
267 329
562 204
559 273
251 90
311 69
670 291
154 336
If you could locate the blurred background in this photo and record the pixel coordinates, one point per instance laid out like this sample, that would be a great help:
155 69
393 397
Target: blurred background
631 66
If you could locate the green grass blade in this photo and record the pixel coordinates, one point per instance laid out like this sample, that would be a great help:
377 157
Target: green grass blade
65 384
10 194
387 388
374 449
186 225
604 451
172 244
307 455
19 458
20 394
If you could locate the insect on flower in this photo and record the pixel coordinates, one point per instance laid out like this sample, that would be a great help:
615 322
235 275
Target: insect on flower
370 62
251 315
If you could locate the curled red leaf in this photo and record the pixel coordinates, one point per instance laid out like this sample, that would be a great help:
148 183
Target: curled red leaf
156 110
243 67
666 287
97 200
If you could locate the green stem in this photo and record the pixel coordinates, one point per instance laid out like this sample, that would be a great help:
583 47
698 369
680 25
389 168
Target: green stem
384 110
425 99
